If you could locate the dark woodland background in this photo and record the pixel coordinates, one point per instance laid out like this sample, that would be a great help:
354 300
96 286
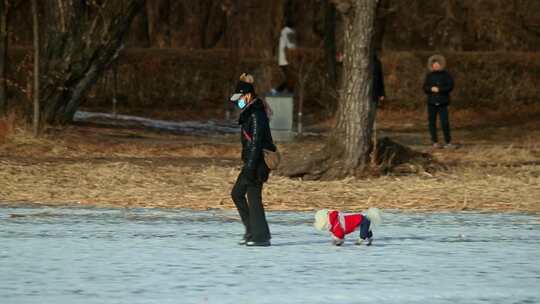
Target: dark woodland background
188 54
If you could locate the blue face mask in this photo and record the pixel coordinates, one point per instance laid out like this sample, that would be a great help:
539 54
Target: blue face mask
241 103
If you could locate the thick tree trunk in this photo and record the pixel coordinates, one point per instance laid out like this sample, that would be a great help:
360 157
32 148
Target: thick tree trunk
356 109
347 150
81 40
349 146
3 55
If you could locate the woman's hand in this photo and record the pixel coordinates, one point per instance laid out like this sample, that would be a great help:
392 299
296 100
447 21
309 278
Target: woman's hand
435 89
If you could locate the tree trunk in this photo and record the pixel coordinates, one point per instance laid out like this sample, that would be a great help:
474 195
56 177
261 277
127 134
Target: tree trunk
159 23
356 110
213 23
35 91
81 40
3 55
347 150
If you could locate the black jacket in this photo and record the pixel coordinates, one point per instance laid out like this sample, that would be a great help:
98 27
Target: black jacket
255 136
378 80
444 82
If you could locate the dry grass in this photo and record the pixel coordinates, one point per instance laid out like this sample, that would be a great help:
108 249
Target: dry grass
7 125
146 184
461 189
88 143
133 168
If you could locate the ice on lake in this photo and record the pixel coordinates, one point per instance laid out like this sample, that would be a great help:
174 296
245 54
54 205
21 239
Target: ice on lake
65 255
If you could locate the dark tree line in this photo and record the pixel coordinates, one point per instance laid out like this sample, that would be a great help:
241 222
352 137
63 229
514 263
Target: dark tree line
81 40
4 7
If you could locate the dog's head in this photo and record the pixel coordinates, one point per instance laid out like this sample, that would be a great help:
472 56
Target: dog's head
321 220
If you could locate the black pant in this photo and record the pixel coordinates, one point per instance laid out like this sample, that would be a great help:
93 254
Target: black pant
442 111
285 84
251 210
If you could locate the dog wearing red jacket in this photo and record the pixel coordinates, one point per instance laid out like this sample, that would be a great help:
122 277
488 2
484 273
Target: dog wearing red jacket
340 224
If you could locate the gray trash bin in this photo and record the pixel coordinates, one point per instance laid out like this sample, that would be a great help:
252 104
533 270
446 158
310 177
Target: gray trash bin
281 122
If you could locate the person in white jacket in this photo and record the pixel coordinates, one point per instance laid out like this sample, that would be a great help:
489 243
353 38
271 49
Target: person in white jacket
287 40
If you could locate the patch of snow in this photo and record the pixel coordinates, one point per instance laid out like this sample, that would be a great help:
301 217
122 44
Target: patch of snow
156 124
78 255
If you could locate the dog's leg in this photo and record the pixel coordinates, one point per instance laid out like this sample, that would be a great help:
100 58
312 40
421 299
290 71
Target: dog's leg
367 241
337 242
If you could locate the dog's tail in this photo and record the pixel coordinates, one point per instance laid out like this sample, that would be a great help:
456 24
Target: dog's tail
374 216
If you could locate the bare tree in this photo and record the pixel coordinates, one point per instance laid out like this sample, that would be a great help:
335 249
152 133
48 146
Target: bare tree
158 15
81 40
303 66
4 6
347 149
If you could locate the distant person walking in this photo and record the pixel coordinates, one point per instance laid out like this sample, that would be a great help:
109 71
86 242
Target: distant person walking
437 86
287 40
255 136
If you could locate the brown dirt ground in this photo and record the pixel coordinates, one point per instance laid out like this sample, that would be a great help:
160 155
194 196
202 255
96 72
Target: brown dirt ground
496 168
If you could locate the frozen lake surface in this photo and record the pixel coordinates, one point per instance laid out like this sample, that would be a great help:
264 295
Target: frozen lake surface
64 255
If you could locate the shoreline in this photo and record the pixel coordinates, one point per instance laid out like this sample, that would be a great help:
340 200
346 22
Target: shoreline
99 206
269 209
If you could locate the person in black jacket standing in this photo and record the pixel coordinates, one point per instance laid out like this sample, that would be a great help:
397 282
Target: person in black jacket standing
377 92
255 136
438 85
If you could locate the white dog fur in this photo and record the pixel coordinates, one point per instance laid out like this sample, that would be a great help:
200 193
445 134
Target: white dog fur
321 220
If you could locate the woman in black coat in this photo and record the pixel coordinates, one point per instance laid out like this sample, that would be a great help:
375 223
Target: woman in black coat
437 86
255 136
377 91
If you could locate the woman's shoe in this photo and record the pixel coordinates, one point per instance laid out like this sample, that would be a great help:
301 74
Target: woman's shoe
260 244
244 239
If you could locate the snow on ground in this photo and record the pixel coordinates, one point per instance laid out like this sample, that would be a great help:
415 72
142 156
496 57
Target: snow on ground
141 122
55 255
